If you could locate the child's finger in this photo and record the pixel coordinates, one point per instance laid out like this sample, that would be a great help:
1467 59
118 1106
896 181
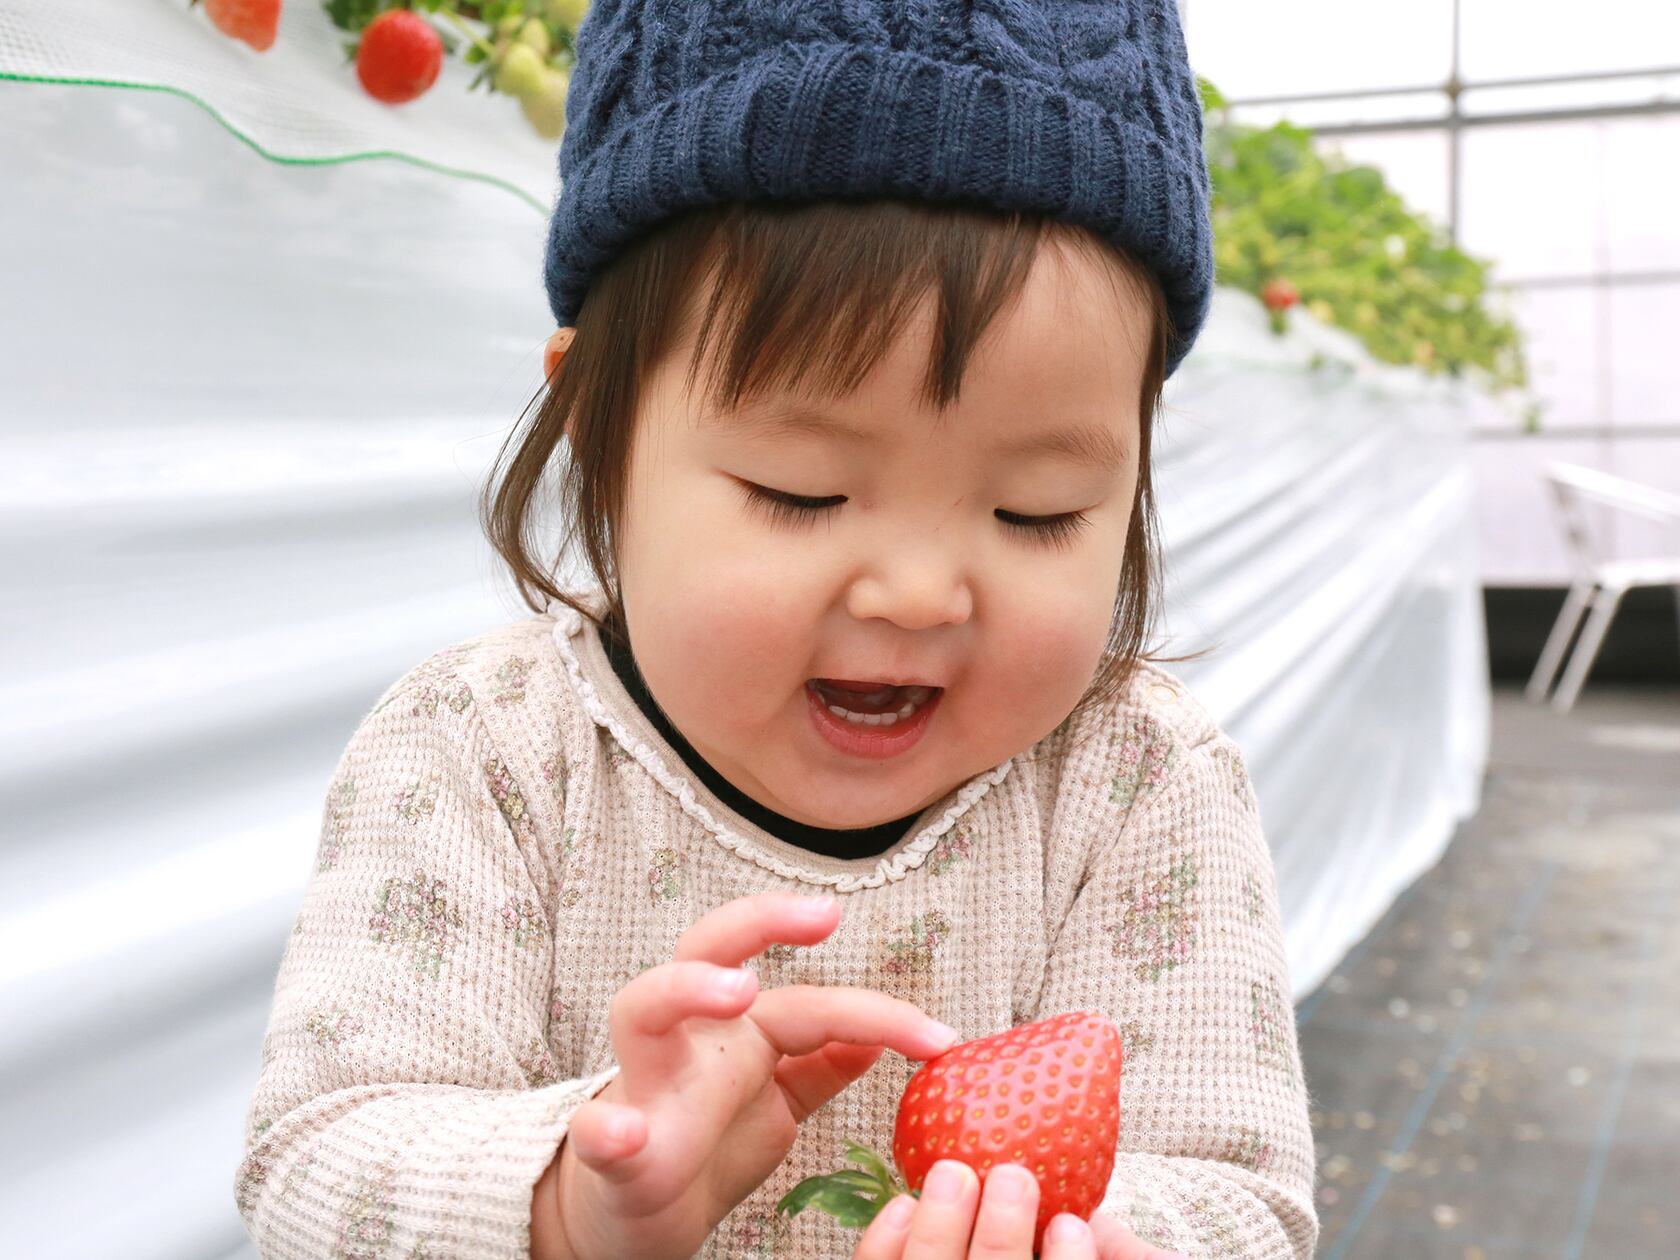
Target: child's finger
812 1080
643 1013
1069 1238
744 928
801 1019
885 1237
1008 1212
944 1220
599 1142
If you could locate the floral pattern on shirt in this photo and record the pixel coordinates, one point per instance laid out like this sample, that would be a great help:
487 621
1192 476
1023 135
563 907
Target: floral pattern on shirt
1134 1041
298 1173
526 920
555 774
765 1234
416 801
1158 928
1146 1220
335 822
499 778
537 1062
429 697
570 892
330 1026
248 1182
953 847
1230 757
1148 751
510 680
913 946
1217 1228
416 912
1248 1149
664 875
434 682
1273 1026
364 1224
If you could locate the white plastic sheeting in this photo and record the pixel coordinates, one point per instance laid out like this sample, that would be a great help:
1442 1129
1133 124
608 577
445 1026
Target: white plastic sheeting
247 407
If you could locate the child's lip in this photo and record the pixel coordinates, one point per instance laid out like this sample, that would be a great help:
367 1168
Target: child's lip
848 684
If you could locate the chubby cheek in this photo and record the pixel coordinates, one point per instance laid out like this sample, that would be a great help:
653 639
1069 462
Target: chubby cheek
1038 664
719 640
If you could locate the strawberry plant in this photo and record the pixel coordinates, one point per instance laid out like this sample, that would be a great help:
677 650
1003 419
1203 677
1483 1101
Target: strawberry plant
1291 226
526 48
1044 1095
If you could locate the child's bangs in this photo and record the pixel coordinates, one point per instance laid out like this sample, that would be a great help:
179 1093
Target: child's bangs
807 298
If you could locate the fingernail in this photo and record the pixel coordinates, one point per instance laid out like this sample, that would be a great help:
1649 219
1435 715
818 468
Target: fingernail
1007 1184
944 1183
1067 1229
896 1215
815 907
732 986
942 1035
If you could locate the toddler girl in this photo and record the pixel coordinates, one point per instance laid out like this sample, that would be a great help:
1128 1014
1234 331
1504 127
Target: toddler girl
865 308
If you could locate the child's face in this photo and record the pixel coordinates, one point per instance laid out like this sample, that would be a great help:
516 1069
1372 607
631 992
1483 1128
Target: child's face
913 575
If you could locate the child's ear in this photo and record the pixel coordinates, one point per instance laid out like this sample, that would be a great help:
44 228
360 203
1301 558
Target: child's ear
555 350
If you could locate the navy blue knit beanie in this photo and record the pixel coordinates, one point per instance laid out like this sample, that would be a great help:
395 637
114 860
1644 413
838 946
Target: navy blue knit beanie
1084 110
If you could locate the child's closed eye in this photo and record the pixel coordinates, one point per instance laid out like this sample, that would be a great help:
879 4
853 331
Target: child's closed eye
801 509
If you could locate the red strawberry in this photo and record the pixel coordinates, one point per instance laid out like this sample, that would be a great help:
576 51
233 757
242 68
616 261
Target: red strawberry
399 56
1045 1095
254 21
1279 294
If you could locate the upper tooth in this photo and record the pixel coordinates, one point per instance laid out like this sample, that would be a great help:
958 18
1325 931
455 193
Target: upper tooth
913 698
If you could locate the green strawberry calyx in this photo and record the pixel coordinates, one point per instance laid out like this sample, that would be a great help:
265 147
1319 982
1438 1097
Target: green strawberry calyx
851 1196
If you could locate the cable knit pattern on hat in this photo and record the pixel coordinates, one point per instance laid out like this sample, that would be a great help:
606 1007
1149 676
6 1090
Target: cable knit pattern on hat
507 841
1084 110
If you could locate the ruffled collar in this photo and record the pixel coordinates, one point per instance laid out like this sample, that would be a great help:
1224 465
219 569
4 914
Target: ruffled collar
607 702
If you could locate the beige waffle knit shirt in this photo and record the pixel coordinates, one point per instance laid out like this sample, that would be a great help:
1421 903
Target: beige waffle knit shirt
507 840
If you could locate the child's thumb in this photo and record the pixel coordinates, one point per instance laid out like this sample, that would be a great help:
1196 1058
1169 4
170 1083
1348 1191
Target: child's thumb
810 1080
604 1136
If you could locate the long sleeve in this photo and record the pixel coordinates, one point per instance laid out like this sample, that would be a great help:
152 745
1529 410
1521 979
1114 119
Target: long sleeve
1175 934
408 1099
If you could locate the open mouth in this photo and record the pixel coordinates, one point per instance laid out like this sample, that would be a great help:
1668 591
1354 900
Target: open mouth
872 704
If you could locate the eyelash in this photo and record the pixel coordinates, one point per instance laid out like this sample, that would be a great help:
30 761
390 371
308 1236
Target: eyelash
1055 531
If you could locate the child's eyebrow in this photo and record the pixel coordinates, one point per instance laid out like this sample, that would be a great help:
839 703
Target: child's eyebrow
1087 444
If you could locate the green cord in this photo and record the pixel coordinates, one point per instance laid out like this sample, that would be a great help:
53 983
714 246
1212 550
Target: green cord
492 180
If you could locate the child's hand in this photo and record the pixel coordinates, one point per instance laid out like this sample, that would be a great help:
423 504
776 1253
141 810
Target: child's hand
714 1086
928 1229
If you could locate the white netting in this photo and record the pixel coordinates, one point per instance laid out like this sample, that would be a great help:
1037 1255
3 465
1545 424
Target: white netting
298 101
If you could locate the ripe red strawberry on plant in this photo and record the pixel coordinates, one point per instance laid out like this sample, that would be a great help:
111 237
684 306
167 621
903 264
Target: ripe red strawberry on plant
1044 1095
254 21
399 56
1279 294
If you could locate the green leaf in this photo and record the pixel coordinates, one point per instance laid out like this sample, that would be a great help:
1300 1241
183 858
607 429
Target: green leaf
853 1208
353 15
852 1196
870 1160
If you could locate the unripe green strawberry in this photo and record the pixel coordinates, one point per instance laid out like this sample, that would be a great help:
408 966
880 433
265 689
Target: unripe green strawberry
1045 1095
566 13
535 33
546 110
521 72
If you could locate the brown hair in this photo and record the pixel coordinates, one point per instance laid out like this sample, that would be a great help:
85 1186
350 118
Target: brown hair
811 293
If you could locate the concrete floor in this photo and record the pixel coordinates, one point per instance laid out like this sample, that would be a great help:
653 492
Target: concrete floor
1495 1068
